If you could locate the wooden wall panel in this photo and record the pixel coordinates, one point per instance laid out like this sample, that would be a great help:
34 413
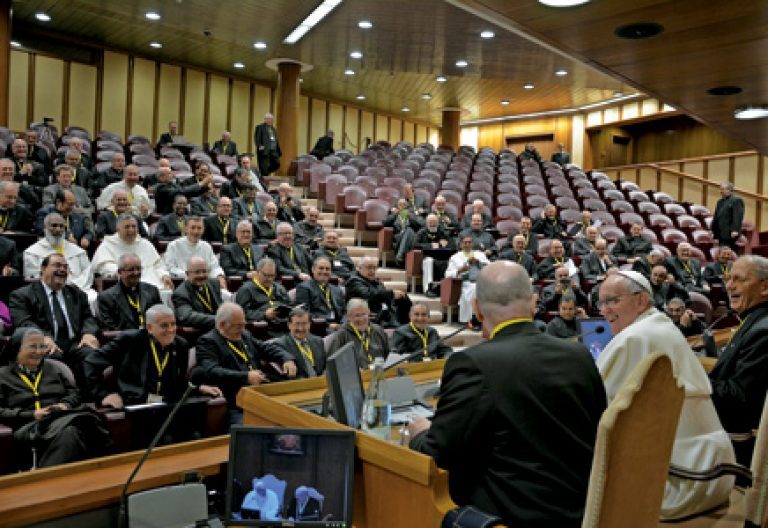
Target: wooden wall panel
745 170
351 138
17 91
695 168
713 195
169 97
318 121
239 115
336 123
750 208
382 128
692 191
395 130
114 93
647 179
422 135
262 104
409 132
304 124
217 107
194 106
143 98
49 89
763 217
366 128
82 95
668 184
718 170
491 136
578 143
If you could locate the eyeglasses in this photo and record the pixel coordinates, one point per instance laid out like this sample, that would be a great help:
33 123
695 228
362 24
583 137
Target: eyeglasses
132 270
57 225
612 301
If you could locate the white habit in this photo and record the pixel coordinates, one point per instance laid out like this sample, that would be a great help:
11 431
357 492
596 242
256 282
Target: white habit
105 259
455 263
80 273
700 441
180 250
137 196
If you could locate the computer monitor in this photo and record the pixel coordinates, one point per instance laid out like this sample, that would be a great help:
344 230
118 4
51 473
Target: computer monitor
595 333
304 477
345 386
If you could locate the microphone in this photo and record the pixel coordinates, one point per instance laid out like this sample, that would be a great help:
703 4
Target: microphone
195 380
707 338
419 353
597 330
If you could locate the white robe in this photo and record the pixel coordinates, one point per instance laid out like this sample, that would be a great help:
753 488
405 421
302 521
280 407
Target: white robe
455 263
700 441
110 249
80 273
180 250
140 197
268 505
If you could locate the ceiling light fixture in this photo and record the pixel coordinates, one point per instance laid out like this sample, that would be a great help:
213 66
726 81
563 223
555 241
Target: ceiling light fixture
349 72
314 18
561 73
155 45
529 86
356 55
151 15
15 44
43 17
360 97
406 109
487 34
426 96
505 102
461 63
751 112
239 65
562 3
441 78
724 90
638 31
260 45
365 24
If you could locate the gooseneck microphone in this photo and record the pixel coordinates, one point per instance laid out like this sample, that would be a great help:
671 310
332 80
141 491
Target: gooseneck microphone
707 338
597 330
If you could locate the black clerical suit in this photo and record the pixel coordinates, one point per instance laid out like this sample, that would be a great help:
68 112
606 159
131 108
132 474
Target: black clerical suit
322 302
305 367
425 240
256 302
170 227
667 291
593 266
714 272
406 340
165 193
203 206
466 222
523 258
222 366
377 295
265 231
18 219
729 213
218 229
686 273
236 262
374 343
531 242
515 427
404 228
267 148
562 158
245 210
323 147
106 224
308 235
642 265
546 268
37 179
549 228
287 264
196 307
231 189
559 327
581 246
117 312
230 149
482 241
287 213
740 378
342 265
100 180
446 220
38 154
631 247
9 254
76 224
549 298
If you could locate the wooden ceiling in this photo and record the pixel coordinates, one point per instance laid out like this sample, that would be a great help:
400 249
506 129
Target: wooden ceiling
412 42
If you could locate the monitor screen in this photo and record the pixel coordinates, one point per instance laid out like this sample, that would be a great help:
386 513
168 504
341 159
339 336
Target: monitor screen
595 333
345 386
299 476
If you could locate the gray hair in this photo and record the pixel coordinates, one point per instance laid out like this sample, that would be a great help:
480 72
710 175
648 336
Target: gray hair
675 301
122 258
189 219
758 265
656 253
728 185
123 217
226 311
356 302
242 223
156 311
297 312
282 227
503 283
8 184
52 216
266 261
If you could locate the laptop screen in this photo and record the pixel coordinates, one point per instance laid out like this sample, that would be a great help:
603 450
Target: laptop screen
595 333
300 476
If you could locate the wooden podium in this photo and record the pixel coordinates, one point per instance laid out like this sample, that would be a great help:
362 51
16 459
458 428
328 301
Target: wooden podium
394 486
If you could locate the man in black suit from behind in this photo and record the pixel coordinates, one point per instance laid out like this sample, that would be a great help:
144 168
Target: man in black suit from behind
225 145
196 299
517 418
320 298
124 306
149 365
239 258
324 146
729 213
307 350
60 310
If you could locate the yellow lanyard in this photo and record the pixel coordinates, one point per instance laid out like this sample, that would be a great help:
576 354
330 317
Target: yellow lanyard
558 261
295 264
247 252
307 352
242 355
736 331
499 327
332 253
224 229
74 175
136 306
467 255
327 292
267 292
519 257
250 208
158 364
59 249
724 270
527 236
423 338
207 301
130 196
180 223
687 268
33 387
365 342
211 205
4 220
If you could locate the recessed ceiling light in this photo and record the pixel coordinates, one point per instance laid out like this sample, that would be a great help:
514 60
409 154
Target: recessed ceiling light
426 96
562 3
301 79
155 45
640 30
313 19
260 45
724 90
43 17
505 102
15 44
239 65
487 34
365 24
356 55
360 97
462 63
406 109
151 15
561 73
529 86
349 72
751 112
441 78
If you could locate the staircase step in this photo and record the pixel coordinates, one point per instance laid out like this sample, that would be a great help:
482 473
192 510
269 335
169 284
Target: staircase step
395 285
391 274
359 251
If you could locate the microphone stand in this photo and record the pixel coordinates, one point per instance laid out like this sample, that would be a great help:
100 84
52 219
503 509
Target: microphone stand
123 514
418 353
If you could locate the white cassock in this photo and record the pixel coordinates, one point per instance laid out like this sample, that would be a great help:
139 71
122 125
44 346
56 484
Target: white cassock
700 441
137 196
110 249
455 263
180 250
266 505
80 273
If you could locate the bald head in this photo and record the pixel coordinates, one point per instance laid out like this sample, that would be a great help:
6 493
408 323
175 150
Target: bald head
503 293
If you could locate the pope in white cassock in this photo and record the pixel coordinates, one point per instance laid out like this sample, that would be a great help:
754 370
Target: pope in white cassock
80 274
262 500
700 441
180 250
465 265
127 240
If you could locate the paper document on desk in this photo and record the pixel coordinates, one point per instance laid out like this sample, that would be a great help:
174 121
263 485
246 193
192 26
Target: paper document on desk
393 358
